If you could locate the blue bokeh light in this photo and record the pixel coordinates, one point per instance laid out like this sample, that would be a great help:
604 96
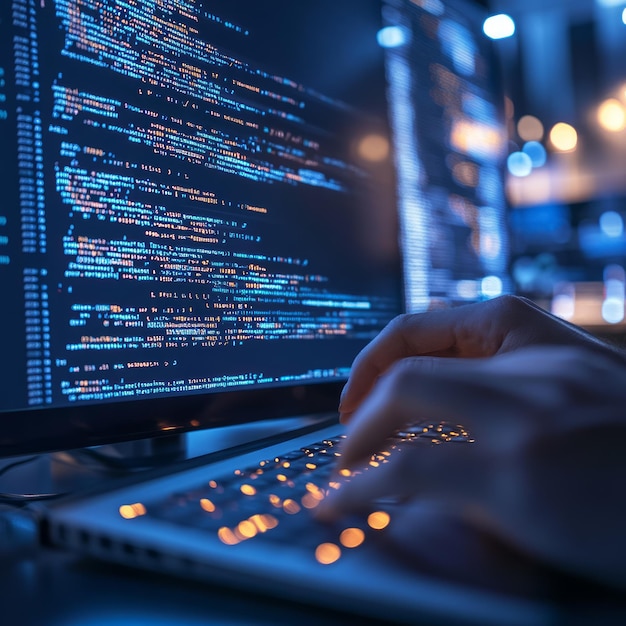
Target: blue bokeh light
392 36
536 152
519 164
499 26
613 310
491 286
611 224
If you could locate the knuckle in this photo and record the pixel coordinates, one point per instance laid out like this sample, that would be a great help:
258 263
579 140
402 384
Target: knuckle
510 305
401 328
404 372
513 314
402 322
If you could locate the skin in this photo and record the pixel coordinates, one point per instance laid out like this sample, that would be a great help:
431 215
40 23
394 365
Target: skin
546 405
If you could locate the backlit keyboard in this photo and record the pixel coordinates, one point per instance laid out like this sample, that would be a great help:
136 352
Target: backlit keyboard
272 499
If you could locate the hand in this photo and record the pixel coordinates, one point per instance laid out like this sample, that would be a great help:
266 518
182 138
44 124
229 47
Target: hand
547 470
476 330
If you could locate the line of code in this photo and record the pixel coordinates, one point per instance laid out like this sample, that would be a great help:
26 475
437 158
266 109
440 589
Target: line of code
189 193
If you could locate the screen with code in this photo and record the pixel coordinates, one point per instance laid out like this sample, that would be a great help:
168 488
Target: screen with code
446 106
196 196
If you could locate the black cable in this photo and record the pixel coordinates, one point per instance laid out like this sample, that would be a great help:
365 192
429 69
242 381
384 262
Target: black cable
20 499
10 466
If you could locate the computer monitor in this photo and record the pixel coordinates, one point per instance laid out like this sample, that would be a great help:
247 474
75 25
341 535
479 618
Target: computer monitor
446 107
203 203
198 216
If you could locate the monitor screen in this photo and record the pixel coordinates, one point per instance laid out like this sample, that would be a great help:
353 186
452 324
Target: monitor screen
198 211
446 107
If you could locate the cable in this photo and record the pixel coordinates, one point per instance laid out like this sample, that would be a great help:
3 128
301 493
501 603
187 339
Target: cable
10 466
21 499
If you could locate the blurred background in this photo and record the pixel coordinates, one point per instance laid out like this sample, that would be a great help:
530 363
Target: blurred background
563 66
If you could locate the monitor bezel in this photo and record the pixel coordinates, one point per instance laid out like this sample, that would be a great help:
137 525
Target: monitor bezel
35 431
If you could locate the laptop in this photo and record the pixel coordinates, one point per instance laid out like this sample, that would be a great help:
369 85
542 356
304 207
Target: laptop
210 200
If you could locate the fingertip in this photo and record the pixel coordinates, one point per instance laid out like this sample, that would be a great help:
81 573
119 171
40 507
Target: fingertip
329 509
346 458
344 416
346 406
344 393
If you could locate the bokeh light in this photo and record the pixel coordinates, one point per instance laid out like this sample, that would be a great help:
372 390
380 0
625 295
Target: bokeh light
207 505
374 148
392 36
536 152
564 301
378 520
327 553
131 511
613 310
499 26
491 286
611 224
519 164
529 128
611 115
564 137
476 139
467 289
613 304
352 537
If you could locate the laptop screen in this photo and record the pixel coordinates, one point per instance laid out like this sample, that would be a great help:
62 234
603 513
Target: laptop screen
197 200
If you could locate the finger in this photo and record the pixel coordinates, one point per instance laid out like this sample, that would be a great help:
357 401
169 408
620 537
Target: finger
483 329
475 330
501 401
474 550
471 392
452 471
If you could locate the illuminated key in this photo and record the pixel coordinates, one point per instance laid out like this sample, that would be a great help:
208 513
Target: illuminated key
247 490
352 537
327 553
378 520
207 505
309 501
130 511
246 529
291 506
227 536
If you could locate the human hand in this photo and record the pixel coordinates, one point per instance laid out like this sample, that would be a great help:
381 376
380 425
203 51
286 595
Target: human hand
477 330
546 473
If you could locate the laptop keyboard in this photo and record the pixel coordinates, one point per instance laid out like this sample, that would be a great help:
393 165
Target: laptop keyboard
272 500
